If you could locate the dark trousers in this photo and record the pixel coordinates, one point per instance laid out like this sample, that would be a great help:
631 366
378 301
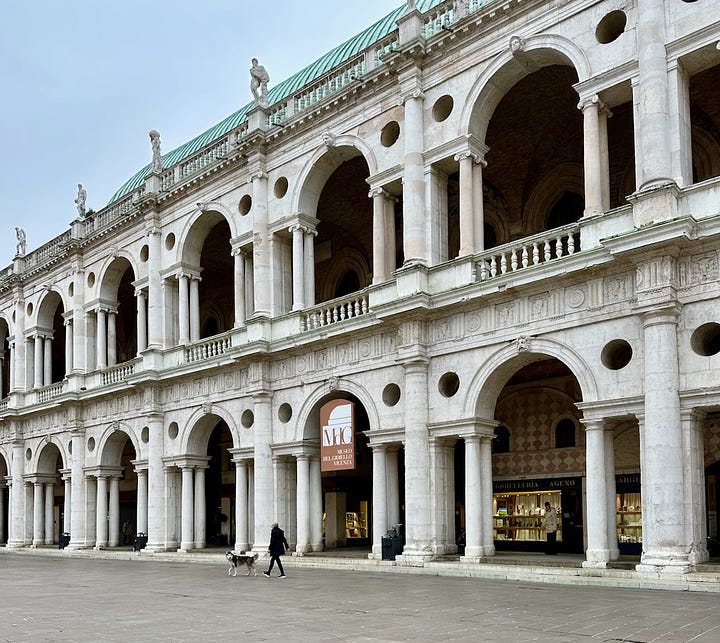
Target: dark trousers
273 560
551 547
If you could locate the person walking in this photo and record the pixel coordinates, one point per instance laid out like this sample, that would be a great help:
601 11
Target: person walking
278 546
551 525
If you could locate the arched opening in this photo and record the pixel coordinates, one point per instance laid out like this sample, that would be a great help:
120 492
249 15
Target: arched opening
220 488
51 323
216 284
347 492
118 294
5 497
4 359
705 119
51 495
118 466
344 231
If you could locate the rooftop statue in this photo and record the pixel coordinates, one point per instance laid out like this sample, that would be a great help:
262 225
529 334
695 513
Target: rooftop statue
156 158
259 79
80 200
21 241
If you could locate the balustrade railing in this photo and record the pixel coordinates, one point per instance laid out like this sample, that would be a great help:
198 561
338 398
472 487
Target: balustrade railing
108 215
49 392
384 47
531 251
334 311
207 349
339 78
3 405
118 373
47 252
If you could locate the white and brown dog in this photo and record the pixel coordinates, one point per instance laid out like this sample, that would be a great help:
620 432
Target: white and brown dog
238 560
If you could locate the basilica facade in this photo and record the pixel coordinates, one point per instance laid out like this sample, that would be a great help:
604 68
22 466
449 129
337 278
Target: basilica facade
485 235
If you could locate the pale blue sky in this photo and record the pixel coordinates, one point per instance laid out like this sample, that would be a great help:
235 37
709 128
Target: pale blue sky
84 81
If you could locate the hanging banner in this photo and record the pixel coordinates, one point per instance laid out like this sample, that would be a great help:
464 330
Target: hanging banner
337 429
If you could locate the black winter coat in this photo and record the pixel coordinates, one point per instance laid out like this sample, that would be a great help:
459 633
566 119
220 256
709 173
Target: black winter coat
278 544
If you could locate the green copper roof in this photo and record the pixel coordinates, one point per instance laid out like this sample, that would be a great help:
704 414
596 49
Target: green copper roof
332 59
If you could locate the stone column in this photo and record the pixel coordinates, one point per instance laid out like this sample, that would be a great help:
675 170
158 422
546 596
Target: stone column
309 241
38 506
239 286
417 461
90 510
101 517
142 501
67 503
680 123
38 362
30 508
605 114
11 350
486 495
315 504
114 512
392 473
262 265
592 156
379 499
611 491
598 547
379 249
183 309
467 219
112 337
654 155
49 513
390 241
77 493
694 474
415 242
17 497
2 511
47 361
303 504
473 502
157 491
263 472
200 509
188 509
155 309
194 309
2 388
241 506
69 359
141 304
101 338
298 267
661 459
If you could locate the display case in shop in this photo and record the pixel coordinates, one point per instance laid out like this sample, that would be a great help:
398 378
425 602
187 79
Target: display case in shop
629 518
356 524
520 516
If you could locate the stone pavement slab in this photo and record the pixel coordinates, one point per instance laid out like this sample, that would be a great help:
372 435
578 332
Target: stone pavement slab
83 599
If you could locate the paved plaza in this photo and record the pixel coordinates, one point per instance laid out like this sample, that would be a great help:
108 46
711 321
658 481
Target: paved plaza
48 598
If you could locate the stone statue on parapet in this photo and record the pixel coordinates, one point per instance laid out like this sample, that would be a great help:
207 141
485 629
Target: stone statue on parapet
259 79
80 200
410 5
21 242
156 157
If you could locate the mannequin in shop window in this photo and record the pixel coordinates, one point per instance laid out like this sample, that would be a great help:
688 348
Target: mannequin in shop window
551 526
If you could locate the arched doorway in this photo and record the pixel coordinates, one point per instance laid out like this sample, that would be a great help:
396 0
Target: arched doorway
338 423
49 511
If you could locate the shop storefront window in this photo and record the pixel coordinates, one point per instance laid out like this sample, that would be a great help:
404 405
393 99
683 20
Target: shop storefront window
519 516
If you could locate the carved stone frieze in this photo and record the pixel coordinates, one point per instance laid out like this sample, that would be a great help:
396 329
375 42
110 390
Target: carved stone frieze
698 269
658 272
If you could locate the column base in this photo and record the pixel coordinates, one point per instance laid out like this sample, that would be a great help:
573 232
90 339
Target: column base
665 563
155 548
597 558
414 557
241 547
318 547
15 544
301 550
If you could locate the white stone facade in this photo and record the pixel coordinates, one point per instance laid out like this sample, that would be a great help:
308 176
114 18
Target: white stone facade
496 230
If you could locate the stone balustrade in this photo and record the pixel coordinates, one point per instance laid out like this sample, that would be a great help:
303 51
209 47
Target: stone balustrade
331 83
334 311
47 393
531 251
118 373
207 349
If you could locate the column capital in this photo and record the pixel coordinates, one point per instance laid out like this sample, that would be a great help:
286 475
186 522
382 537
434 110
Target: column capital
590 101
415 94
